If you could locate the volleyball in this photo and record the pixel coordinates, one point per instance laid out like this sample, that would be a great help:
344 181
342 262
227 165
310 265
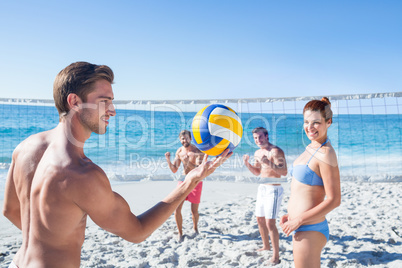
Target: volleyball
215 128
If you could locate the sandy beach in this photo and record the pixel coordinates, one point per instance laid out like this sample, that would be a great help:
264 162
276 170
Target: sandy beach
365 231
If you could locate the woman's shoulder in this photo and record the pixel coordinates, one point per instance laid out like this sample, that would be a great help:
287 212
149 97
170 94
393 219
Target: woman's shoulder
328 155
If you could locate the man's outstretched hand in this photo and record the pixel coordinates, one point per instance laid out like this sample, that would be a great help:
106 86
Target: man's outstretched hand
207 167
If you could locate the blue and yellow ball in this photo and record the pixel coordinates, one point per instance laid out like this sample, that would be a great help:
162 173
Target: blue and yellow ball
215 128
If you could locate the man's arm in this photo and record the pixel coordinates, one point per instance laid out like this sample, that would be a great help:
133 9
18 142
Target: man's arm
176 162
111 212
278 163
256 168
11 206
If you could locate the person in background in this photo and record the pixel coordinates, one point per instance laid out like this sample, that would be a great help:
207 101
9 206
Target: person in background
191 157
52 187
315 188
269 162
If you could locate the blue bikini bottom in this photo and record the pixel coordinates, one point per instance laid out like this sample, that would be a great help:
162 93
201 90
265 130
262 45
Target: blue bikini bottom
321 227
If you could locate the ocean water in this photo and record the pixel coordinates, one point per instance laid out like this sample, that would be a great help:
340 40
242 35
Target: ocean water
368 146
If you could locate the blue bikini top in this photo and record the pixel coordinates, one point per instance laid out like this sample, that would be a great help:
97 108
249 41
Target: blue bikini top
304 174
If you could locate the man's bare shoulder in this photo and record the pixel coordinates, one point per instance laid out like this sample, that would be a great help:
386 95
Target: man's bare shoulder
179 150
81 182
84 173
89 187
28 154
276 150
194 149
34 142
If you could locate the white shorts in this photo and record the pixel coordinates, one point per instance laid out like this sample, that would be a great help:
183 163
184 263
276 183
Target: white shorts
269 199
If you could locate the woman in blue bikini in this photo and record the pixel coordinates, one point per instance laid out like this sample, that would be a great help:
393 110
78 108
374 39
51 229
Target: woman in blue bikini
315 188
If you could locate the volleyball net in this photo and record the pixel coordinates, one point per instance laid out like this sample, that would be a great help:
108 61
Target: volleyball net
366 133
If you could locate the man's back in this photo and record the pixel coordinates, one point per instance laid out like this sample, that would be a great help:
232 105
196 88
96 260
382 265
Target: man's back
53 226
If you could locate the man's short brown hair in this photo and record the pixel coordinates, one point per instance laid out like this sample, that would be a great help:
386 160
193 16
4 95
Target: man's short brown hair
185 132
78 78
258 129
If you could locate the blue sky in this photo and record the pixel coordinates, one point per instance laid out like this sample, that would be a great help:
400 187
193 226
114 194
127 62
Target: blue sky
205 49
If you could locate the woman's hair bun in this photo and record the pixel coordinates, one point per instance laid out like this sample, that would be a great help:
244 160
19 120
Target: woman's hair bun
326 100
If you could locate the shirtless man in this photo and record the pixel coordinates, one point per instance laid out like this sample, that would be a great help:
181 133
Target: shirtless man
52 187
269 162
191 158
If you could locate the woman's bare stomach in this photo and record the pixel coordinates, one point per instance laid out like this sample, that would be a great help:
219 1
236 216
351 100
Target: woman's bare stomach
303 198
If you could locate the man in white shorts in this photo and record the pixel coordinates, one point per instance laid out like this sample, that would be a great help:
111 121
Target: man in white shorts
269 162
